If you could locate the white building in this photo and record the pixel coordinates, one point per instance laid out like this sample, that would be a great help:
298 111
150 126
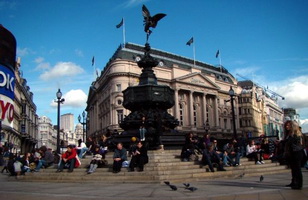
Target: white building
67 122
47 134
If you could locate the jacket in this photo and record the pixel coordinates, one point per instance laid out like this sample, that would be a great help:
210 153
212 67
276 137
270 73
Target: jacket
71 155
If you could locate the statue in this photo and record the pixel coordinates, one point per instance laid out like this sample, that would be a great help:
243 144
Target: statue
150 21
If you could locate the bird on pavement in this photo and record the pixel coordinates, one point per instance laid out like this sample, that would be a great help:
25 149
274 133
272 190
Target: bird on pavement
173 187
241 175
192 189
186 185
167 182
261 178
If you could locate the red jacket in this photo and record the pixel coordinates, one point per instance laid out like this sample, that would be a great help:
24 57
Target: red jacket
71 155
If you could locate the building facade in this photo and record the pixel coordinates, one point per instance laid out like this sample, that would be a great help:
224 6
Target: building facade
201 92
21 134
290 114
47 135
259 113
67 122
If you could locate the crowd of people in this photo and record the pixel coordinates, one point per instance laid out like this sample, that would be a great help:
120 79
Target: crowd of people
17 165
290 150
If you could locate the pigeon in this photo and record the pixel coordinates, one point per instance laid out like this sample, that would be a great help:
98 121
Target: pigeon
261 178
186 185
242 175
192 189
150 21
173 187
167 182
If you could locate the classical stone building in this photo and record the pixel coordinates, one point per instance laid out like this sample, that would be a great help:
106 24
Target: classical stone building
47 135
258 113
201 92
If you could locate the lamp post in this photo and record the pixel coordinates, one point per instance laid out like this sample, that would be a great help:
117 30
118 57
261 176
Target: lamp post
83 123
59 100
232 95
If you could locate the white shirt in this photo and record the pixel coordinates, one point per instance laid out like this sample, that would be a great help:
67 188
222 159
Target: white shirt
251 149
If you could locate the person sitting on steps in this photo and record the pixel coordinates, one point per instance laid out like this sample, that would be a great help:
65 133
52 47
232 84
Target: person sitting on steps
253 152
69 159
119 156
97 160
211 158
139 157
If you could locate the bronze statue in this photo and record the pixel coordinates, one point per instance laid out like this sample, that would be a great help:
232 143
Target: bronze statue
150 21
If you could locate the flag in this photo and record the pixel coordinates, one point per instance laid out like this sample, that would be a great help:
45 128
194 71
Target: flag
120 24
190 41
217 53
92 60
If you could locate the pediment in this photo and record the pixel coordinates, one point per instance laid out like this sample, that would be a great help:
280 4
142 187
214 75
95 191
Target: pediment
198 79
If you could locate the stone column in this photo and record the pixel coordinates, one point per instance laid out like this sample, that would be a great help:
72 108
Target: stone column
204 107
216 117
176 104
191 109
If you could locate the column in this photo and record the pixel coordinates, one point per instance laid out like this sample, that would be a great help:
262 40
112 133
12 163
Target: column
191 109
176 104
204 107
216 117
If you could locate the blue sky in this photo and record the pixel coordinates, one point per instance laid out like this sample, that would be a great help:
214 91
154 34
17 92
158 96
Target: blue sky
264 40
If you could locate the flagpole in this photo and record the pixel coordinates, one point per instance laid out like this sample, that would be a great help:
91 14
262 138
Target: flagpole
194 52
220 62
123 32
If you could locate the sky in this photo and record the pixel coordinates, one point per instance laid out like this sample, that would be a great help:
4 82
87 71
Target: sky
262 40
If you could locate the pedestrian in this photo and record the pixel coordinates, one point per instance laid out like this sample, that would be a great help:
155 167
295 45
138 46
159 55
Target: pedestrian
294 153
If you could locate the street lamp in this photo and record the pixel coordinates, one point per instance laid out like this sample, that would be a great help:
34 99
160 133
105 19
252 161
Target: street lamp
232 94
83 123
59 100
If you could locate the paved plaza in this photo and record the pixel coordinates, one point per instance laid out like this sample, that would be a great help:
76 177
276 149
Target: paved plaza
272 187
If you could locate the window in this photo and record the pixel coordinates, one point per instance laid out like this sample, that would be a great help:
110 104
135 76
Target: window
195 115
119 88
239 111
181 114
225 123
120 116
119 101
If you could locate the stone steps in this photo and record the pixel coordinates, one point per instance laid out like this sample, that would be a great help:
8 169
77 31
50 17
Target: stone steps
162 166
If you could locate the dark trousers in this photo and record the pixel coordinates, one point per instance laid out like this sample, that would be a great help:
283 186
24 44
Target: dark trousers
137 161
296 171
117 165
257 156
210 159
71 164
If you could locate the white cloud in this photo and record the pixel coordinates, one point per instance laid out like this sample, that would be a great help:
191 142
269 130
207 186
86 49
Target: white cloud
248 72
79 53
295 92
73 98
8 5
304 125
60 70
24 51
41 65
132 3
39 60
